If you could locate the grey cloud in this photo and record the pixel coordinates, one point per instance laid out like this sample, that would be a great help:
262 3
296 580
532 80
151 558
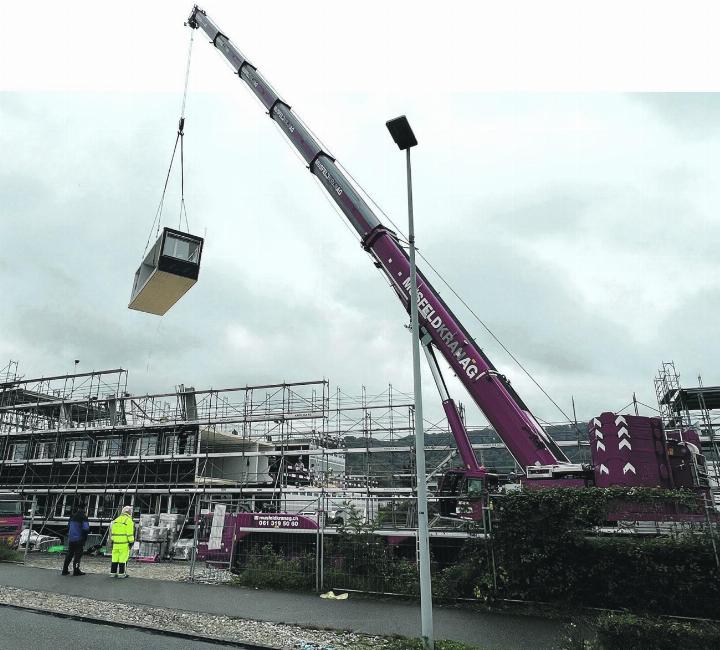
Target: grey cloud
527 305
693 114
16 106
645 217
690 331
20 194
554 210
70 256
578 351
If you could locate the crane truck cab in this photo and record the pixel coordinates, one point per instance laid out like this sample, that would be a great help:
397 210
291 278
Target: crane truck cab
462 493
11 518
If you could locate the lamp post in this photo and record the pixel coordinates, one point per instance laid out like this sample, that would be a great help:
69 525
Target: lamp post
405 139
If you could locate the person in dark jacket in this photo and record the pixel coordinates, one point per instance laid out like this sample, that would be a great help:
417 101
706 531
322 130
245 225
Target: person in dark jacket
78 530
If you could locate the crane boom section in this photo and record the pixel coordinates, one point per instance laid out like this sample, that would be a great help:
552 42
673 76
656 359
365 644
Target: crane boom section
526 440
491 391
320 163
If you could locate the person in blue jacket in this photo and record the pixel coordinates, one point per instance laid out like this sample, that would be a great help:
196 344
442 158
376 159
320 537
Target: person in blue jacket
78 530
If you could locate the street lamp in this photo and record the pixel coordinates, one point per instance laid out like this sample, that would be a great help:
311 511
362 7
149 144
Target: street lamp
405 139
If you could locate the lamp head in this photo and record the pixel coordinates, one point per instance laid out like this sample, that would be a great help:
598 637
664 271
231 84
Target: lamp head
401 132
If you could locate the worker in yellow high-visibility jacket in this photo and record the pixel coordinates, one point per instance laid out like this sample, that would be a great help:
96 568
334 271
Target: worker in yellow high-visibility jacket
122 537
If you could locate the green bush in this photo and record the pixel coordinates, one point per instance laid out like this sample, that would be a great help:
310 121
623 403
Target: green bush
357 558
542 548
8 555
629 631
544 551
675 575
266 567
370 567
416 644
469 577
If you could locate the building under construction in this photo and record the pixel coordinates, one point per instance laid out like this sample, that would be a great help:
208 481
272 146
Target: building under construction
83 437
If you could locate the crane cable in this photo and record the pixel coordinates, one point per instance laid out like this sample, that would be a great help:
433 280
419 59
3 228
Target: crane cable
179 138
181 126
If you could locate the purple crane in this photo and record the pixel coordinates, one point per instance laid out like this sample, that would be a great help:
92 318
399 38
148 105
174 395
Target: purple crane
524 437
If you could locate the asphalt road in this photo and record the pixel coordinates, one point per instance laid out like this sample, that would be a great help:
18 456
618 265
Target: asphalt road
45 632
501 631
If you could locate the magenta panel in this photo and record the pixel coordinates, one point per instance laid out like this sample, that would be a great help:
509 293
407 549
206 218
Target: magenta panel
692 436
261 521
546 483
628 450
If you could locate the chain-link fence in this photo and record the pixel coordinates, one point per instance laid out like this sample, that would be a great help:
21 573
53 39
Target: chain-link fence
516 545
366 544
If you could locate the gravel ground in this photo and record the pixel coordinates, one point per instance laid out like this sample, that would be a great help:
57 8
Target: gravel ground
176 571
273 635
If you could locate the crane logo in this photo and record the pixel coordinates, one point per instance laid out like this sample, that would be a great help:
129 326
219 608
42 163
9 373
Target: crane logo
329 177
283 118
427 312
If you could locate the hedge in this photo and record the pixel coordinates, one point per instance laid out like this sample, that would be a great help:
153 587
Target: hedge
628 631
543 548
545 551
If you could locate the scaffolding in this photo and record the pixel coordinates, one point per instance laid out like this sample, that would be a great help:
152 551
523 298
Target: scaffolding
673 410
698 408
83 437
286 447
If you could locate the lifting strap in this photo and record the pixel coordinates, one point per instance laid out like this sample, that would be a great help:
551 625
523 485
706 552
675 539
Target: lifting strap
181 133
178 139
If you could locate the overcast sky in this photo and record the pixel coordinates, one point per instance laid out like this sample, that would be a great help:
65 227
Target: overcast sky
582 227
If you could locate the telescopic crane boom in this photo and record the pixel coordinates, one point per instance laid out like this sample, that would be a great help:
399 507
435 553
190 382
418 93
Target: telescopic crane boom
532 448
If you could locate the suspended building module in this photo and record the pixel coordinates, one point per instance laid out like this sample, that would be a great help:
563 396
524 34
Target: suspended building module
167 272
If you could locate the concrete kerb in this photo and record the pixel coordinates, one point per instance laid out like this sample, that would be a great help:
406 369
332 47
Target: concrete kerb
144 628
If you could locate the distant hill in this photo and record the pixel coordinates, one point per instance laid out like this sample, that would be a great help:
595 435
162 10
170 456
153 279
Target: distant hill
387 468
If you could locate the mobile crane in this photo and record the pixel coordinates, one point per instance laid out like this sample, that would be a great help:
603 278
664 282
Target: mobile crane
542 461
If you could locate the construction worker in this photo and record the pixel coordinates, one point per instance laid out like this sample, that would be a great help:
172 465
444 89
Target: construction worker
122 537
78 529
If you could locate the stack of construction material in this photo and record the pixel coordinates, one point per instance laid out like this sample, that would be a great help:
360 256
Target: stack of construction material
153 534
148 520
153 541
173 523
146 550
158 534
182 549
